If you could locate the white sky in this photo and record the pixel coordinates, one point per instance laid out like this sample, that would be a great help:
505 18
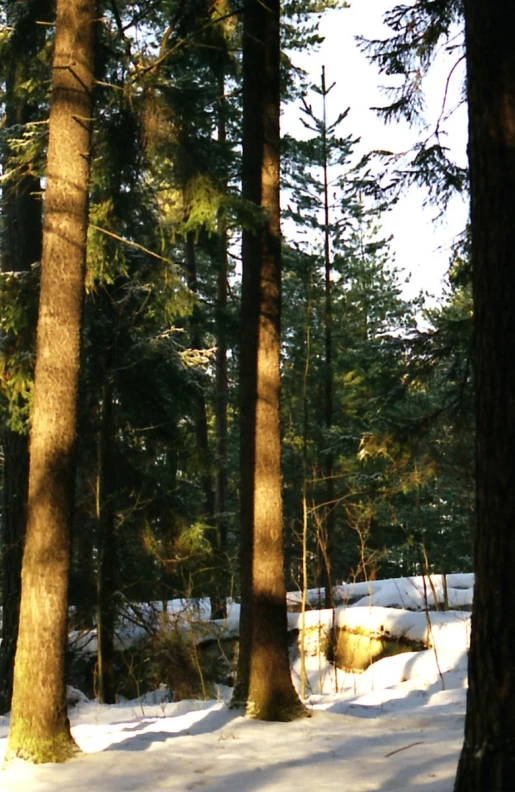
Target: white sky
421 246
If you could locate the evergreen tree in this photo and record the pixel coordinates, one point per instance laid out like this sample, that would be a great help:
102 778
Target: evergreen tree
342 269
371 331
416 35
21 249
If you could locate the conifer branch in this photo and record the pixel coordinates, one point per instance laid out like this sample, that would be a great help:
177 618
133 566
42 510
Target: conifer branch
135 245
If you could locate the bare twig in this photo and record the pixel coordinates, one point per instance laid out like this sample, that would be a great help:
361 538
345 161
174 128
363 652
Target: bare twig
404 748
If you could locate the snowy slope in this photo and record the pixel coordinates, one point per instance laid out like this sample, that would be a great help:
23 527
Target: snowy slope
397 726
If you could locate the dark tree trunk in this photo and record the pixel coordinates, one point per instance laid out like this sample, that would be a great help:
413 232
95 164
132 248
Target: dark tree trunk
488 758
329 520
201 431
21 248
39 728
264 673
221 380
219 607
84 563
106 573
202 440
16 468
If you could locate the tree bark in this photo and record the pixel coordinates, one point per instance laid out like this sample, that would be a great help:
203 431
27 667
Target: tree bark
488 757
39 729
329 526
106 572
13 529
201 433
264 680
221 384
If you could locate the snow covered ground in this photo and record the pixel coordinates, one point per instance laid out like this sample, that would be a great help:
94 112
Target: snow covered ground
397 726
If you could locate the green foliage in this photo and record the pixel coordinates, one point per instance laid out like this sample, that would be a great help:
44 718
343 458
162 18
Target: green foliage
166 169
401 436
369 367
18 312
418 33
25 54
24 64
27 150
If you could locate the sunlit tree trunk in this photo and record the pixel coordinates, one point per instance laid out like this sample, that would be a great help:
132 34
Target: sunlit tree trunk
264 673
488 758
39 729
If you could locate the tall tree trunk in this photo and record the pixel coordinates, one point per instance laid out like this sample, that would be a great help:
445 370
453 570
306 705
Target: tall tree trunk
488 758
201 433
16 470
221 384
329 523
84 563
219 611
106 582
21 248
264 672
39 729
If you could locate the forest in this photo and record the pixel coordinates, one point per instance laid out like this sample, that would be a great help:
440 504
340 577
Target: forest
213 389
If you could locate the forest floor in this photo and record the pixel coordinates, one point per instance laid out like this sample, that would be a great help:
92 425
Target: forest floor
407 738
397 726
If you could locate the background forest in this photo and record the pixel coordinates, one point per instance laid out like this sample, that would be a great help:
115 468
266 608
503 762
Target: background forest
376 391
